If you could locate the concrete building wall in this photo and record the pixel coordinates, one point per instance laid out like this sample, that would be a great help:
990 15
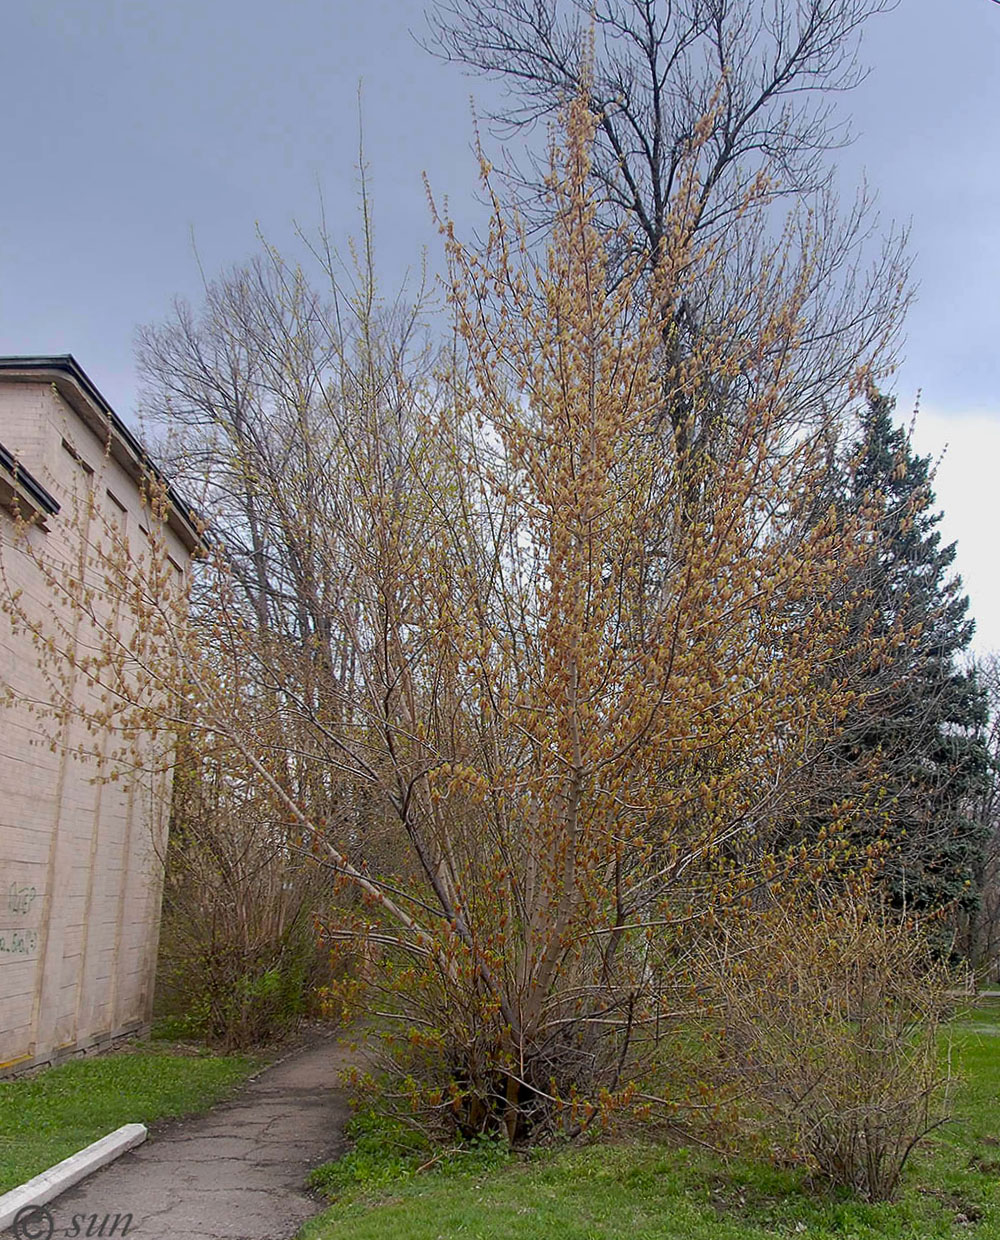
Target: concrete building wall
80 856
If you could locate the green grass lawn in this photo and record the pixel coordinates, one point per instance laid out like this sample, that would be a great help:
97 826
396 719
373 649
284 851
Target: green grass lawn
52 1114
650 1192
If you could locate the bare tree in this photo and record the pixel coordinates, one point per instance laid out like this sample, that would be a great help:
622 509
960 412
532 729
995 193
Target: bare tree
765 74
982 944
253 402
262 403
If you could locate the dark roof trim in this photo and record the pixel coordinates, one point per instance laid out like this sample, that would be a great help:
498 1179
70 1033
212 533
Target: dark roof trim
28 483
64 367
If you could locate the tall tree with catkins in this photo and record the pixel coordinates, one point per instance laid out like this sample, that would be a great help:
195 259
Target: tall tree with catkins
591 729
589 674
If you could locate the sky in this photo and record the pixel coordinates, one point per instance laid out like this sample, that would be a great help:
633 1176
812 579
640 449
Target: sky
147 143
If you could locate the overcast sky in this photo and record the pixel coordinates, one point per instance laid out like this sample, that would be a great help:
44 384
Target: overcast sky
132 125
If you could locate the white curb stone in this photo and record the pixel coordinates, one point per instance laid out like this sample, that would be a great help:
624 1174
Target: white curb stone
70 1171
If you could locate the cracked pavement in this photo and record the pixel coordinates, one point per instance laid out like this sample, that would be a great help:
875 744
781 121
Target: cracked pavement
236 1173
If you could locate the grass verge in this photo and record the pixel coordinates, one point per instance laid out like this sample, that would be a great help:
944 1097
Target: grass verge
52 1114
386 1191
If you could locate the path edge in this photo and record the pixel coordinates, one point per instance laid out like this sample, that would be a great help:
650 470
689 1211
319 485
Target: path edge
49 1184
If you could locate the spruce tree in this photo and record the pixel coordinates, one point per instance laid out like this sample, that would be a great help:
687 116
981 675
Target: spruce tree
923 724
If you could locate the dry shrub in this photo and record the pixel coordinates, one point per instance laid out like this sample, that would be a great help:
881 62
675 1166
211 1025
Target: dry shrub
239 960
831 1017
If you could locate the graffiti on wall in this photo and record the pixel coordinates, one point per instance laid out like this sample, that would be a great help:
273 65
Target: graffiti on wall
17 940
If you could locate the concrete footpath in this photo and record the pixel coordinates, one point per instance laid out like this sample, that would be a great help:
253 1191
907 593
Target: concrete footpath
236 1173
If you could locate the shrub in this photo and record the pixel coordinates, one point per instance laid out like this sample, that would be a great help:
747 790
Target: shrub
831 1016
238 953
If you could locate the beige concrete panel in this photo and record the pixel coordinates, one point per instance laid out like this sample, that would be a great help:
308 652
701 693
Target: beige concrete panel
77 963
